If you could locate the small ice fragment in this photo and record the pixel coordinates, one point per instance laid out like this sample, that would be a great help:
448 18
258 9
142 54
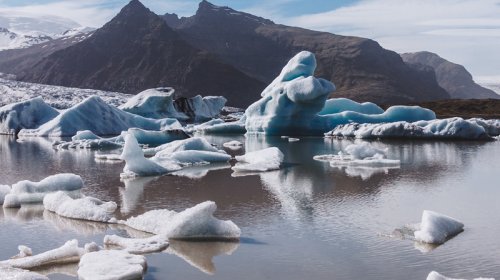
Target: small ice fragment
111 264
293 139
86 208
435 228
436 276
138 245
262 160
233 145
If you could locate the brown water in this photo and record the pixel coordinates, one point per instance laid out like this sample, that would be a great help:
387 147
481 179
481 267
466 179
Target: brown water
307 220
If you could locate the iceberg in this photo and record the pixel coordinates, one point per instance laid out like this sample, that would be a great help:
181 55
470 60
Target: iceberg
10 273
85 208
159 103
84 135
68 253
436 276
339 105
436 228
95 115
4 190
151 244
196 222
452 128
262 160
291 104
25 114
33 192
111 265
137 165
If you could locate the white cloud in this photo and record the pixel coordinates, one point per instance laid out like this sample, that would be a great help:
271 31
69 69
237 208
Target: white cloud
464 31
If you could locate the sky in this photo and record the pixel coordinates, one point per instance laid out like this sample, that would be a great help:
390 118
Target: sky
463 31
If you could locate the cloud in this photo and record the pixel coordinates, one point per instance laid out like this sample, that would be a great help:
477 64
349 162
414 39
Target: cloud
464 31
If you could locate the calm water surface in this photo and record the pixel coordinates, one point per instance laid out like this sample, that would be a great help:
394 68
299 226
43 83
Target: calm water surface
306 221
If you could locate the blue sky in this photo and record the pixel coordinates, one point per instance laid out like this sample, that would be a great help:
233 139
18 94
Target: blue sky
463 31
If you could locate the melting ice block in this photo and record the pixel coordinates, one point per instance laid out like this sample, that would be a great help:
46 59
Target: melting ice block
4 190
191 144
196 222
86 208
233 145
291 104
435 228
137 245
138 165
95 115
26 114
198 157
33 192
111 265
436 276
68 253
363 155
262 160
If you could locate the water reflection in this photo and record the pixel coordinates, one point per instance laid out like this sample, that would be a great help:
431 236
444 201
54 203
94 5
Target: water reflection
200 254
132 193
69 269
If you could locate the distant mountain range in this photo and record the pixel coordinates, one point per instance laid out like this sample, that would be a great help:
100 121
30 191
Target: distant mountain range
454 78
218 51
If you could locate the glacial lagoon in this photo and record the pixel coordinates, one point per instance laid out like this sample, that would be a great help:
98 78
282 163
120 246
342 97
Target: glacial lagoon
308 220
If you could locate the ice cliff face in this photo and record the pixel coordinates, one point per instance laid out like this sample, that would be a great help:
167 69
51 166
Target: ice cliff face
292 105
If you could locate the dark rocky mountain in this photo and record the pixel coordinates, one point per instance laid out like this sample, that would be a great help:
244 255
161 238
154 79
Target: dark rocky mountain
137 50
360 68
454 78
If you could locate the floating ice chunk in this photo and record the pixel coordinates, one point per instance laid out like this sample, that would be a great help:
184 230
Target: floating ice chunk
196 222
364 150
201 108
24 251
111 265
10 273
110 157
224 128
95 115
452 128
200 171
191 144
262 160
150 137
338 105
137 245
4 190
86 208
291 139
69 252
26 114
33 192
138 165
233 145
198 157
85 135
436 276
436 228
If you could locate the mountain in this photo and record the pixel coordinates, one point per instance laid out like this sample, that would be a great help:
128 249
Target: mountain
137 50
454 78
360 68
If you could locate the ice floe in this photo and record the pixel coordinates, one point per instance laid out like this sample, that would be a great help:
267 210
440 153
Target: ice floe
26 114
95 115
261 160
33 192
233 145
85 208
111 265
193 157
436 228
433 275
361 154
191 144
291 103
452 128
196 222
67 253
147 245
138 165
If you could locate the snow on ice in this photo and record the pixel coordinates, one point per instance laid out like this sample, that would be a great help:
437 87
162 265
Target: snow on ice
147 245
111 265
196 222
85 208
